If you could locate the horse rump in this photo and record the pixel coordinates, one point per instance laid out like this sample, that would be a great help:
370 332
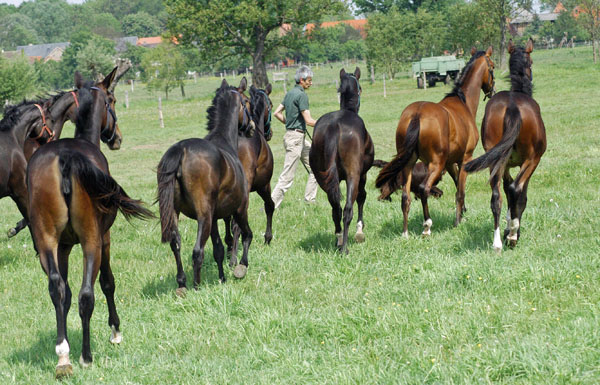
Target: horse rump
100 186
166 174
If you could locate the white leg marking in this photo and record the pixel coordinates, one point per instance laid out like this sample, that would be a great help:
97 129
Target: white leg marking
405 234
359 236
83 363
514 227
115 336
63 348
497 240
340 238
427 227
359 226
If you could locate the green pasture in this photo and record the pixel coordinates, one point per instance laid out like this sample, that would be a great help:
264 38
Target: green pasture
441 310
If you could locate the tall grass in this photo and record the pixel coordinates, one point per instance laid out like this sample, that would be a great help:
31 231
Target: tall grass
445 309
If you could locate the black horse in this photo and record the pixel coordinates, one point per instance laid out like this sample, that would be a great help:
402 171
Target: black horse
342 149
204 179
73 199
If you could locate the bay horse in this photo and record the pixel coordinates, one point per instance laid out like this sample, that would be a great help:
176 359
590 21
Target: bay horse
342 149
443 135
204 179
73 199
513 135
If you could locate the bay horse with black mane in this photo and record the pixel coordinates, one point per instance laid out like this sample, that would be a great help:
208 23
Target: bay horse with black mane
257 160
204 179
443 135
342 149
73 199
513 135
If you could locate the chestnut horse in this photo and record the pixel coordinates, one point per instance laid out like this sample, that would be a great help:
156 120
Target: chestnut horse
513 135
342 149
443 135
73 199
204 179
257 161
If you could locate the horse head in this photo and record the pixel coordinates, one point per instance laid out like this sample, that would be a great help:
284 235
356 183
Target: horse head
519 64
261 108
246 125
488 82
350 90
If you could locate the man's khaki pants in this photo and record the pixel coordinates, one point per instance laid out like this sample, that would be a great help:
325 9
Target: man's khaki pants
296 149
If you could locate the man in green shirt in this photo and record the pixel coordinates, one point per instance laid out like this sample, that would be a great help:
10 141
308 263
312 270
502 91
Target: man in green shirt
297 116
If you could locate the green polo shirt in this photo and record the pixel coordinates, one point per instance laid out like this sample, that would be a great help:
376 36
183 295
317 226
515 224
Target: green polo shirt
294 103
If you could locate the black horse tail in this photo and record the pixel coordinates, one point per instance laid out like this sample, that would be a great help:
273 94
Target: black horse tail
390 177
329 152
166 174
380 163
498 155
104 191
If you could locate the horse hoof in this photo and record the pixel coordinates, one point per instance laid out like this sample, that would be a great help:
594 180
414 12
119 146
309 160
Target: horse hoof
359 237
63 371
425 235
11 233
498 250
233 262
268 240
84 363
180 292
240 271
115 336
405 235
512 243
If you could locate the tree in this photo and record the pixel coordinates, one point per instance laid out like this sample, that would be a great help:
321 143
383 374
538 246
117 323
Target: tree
164 68
104 24
141 24
466 28
96 58
52 19
384 6
252 28
18 79
17 29
589 18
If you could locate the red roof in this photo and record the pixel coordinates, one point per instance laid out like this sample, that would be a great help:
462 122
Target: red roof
358 24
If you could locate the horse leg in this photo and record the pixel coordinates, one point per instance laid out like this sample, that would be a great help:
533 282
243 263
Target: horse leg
406 196
453 172
107 283
242 221
235 239
360 200
92 256
519 190
434 172
507 181
351 193
460 191
176 248
265 194
204 228
17 229
333 195
496 206
229 241
218 249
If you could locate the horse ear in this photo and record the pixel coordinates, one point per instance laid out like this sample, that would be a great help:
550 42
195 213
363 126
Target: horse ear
109 78
78 80
342 73
224 84
511 46
489 51
529 46
243 84
357 73
473 50
268 88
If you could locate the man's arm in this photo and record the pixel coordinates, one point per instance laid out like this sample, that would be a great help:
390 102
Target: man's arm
279 113
308 119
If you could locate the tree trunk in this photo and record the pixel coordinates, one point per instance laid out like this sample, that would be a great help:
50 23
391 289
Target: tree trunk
182 90
502 42
259 69
167 93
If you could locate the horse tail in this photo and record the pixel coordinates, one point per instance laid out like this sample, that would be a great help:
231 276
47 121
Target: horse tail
390 177
104 191
379 163
167 170
330 176
498 155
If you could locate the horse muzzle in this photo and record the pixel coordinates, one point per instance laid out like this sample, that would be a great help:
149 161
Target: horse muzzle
250 129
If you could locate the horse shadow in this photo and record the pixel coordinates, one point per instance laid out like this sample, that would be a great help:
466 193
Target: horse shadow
320 242
41 353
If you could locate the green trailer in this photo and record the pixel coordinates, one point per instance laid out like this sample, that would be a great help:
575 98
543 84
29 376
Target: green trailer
436 69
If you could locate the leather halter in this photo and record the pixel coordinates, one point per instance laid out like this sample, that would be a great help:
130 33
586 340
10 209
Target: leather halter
75 97
114 117
270 108
247 118
490 93
359 90
45 127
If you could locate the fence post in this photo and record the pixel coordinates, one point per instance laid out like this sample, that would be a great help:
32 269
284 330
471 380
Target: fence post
384 90
126 99
372 74
132 81
160 113
336 89
424 80
195 77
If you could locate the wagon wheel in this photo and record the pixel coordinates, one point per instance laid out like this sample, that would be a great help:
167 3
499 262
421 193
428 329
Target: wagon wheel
447 79
420 83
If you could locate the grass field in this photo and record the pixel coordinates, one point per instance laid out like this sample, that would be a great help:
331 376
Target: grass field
444 310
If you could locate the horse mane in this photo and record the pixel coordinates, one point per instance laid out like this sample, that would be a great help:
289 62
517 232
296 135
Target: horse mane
519 81
217 112
460 80
258 105
13 113
57 96
85 107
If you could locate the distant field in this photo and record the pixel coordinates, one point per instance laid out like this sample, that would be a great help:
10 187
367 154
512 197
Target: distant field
444 310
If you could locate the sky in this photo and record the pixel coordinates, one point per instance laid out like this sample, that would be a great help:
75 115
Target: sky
17 2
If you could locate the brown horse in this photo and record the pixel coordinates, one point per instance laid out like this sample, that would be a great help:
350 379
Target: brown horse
443 135
513 135
204 179
257 161
342 149
73 199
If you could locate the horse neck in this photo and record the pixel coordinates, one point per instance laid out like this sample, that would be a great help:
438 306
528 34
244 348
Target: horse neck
90 131
22 129
472 87
62 110
227 131
349 104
